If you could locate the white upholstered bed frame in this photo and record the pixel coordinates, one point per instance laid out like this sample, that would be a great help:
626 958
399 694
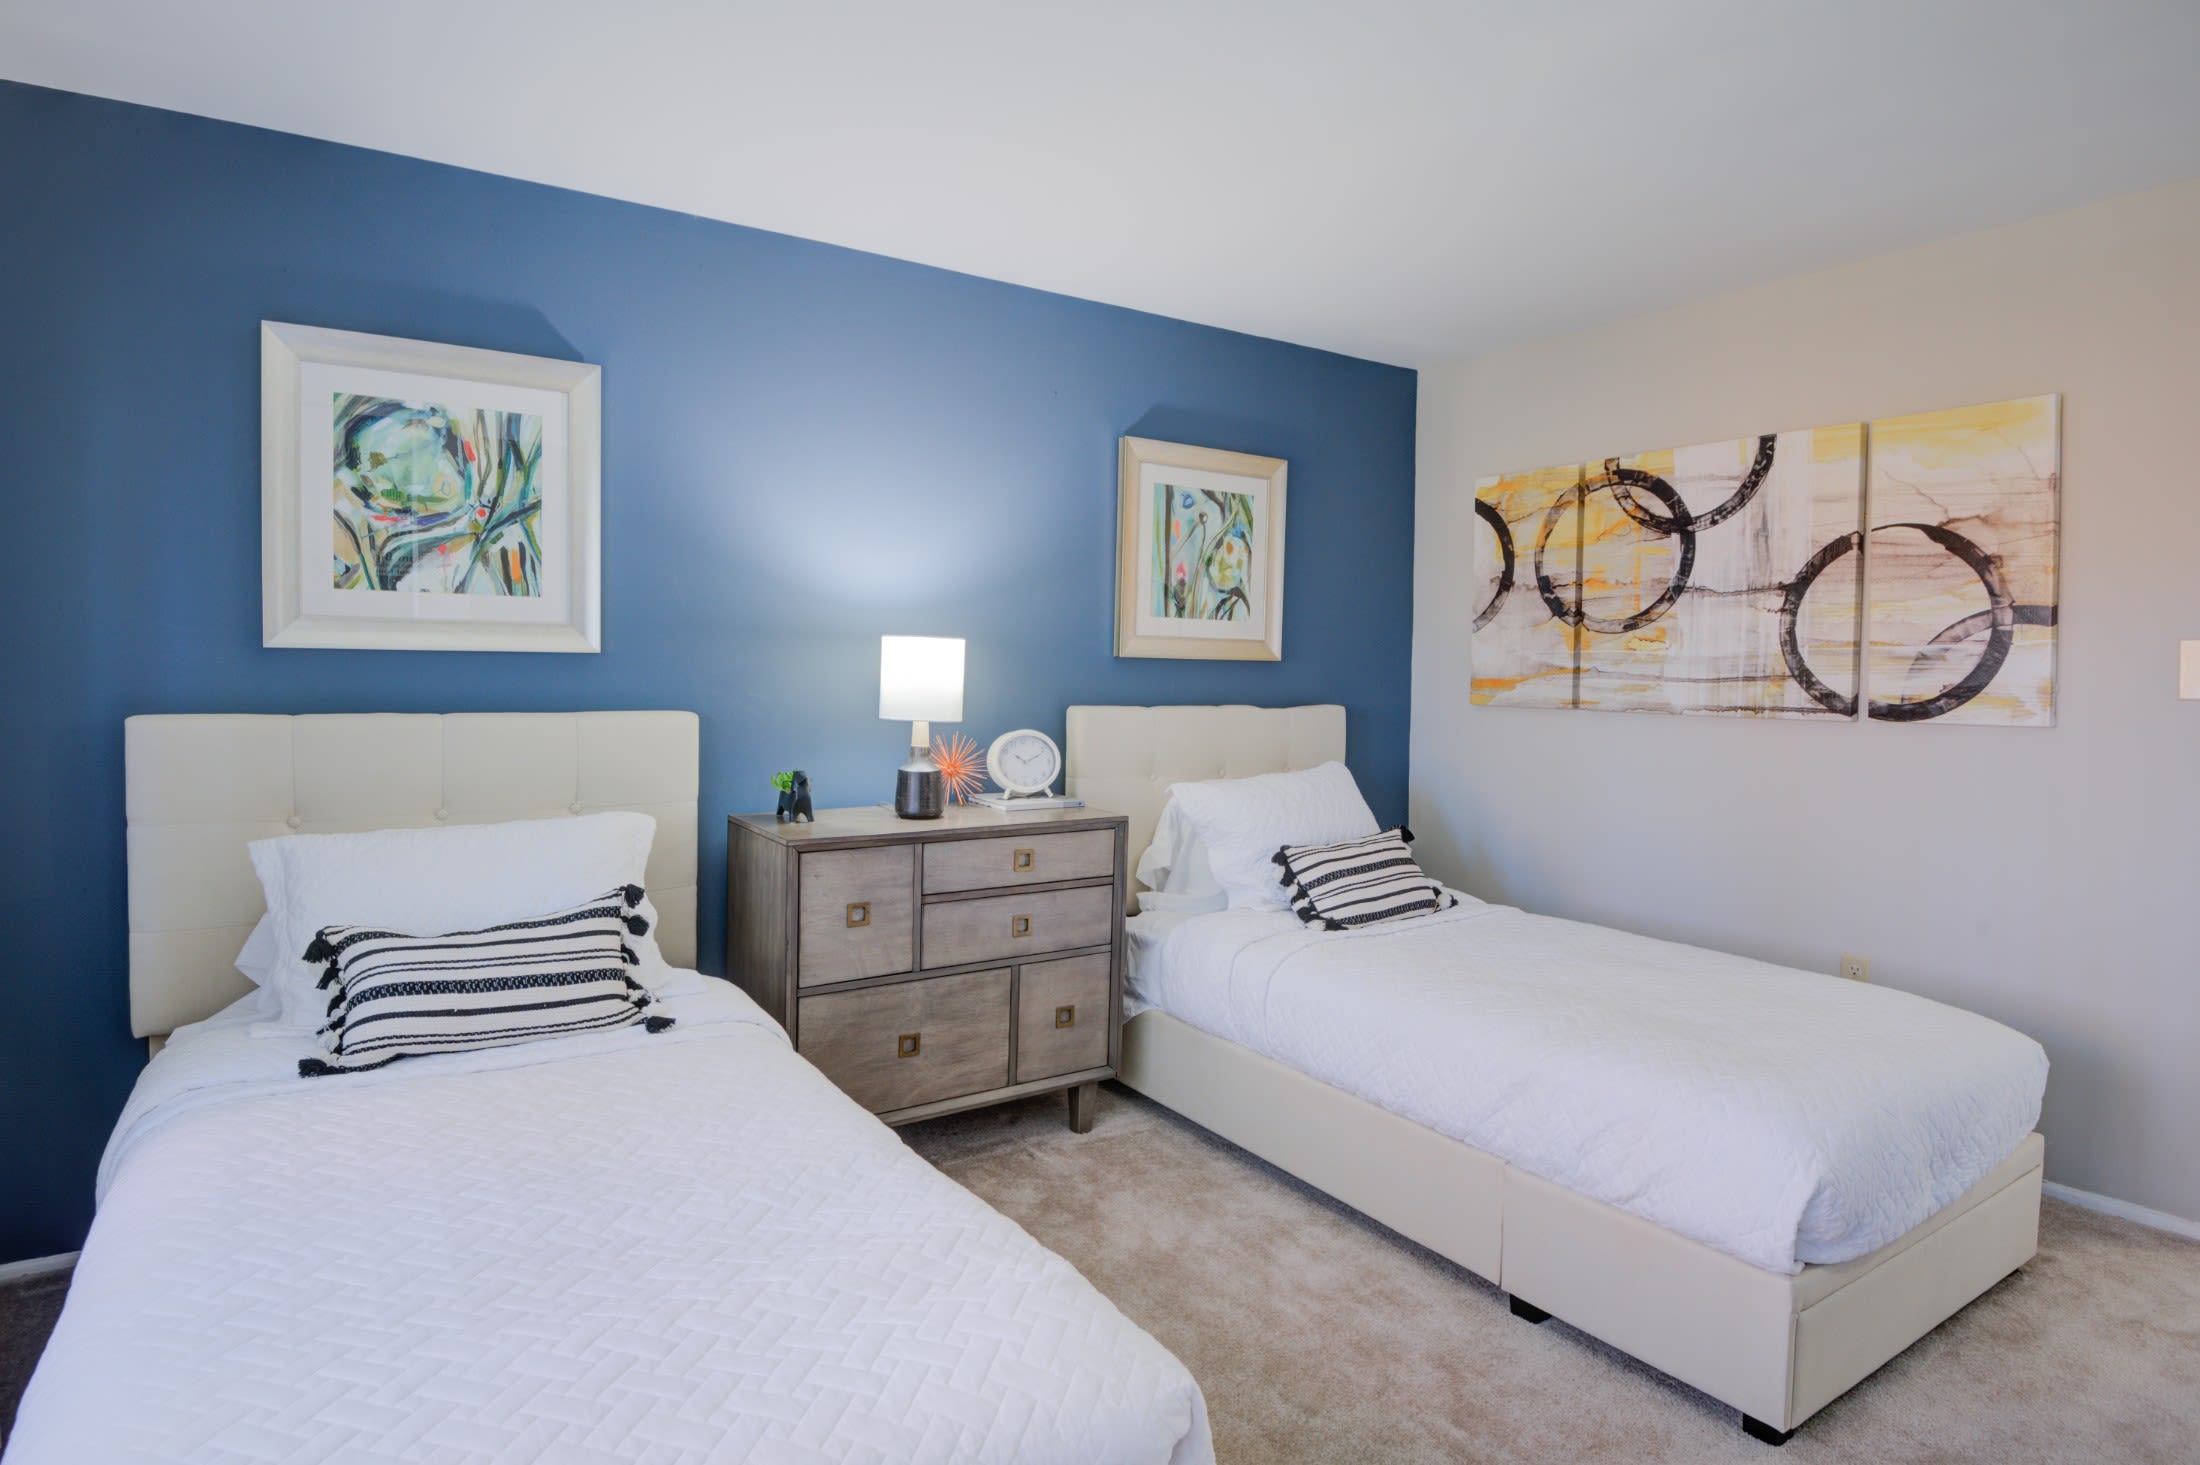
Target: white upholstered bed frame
201 788
1777 1348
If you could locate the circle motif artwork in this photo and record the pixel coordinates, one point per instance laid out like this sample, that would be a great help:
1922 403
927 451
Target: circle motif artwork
1731 577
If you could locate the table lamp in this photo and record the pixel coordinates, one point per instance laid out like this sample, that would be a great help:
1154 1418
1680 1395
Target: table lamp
920 682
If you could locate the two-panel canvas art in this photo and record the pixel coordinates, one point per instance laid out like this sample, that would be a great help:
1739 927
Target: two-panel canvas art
1736 577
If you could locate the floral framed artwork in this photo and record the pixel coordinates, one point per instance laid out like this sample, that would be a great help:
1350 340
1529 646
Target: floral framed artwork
424 497
1198 553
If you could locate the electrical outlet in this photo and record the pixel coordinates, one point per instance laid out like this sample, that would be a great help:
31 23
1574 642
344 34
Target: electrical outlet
1856 968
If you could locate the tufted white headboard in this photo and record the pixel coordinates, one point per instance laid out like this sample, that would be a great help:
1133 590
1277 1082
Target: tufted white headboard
1125 758
200 788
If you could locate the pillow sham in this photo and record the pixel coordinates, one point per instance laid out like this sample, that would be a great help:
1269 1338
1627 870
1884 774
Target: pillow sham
445 878
1175 864
258 956
1174 903
1351 883
1242 822
401 996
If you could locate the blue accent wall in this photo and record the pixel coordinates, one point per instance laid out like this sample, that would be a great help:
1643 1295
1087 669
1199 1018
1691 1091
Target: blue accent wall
804 447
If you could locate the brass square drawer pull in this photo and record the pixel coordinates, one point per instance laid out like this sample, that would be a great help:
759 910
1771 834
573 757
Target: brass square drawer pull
1019 925
859 913
908 1045
1026 860
1066 1017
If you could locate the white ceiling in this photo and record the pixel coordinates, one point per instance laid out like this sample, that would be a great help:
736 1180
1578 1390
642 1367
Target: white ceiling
1412 182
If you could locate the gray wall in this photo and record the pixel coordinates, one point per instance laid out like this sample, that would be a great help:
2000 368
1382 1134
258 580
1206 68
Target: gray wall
2047 878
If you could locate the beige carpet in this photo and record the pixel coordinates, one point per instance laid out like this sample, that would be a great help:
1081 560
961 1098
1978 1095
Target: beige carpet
1320 1336
28 1308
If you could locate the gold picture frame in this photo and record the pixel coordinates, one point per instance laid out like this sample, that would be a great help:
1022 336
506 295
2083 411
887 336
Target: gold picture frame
1198 553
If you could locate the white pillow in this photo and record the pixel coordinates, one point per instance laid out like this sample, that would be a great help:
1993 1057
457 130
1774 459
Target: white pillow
446 878
1175 903
1242 822
1176 861
257 959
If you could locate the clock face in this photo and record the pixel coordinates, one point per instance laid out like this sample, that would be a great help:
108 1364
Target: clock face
1024 761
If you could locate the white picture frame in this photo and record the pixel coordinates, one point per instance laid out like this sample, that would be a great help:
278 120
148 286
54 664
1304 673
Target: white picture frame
544 586
1234 612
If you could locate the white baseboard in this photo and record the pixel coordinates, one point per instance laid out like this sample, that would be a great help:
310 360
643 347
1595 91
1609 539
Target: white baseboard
2108 1205
36 1266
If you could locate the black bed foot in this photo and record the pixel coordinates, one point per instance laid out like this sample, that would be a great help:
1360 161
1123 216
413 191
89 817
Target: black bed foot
1529 1311
1764 1433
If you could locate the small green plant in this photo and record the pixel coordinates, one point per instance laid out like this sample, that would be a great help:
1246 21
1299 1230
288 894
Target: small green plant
783 781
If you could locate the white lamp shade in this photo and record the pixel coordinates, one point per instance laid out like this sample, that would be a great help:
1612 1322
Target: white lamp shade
920 678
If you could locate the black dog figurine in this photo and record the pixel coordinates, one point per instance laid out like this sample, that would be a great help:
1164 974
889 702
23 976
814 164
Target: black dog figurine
794 803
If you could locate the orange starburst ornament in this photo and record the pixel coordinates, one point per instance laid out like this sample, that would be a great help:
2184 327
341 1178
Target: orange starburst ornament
960 768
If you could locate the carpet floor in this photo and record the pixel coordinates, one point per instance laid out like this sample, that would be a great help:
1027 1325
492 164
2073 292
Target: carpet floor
28 1307
1320 1336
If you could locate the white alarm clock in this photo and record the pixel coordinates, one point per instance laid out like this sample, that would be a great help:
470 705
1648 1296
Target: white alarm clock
1024 761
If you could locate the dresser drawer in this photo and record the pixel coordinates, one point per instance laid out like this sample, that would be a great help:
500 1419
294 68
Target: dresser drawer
911 1042
1019 859
1062 1017
857 914
1011 927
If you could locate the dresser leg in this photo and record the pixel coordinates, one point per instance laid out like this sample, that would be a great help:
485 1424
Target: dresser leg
1084 1107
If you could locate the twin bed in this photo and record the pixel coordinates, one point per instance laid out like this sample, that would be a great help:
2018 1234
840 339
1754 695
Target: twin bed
679 1245
1762 1182
685 1244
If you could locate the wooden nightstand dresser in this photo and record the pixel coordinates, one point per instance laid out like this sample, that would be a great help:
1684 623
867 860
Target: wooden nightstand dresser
938 964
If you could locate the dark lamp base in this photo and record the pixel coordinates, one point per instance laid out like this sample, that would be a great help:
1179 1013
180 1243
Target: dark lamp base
919 792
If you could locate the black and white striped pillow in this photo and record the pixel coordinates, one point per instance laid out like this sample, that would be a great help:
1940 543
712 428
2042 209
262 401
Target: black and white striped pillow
399 996
1359 882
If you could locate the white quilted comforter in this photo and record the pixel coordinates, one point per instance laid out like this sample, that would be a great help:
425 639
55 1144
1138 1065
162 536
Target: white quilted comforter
681 1246
1778 1116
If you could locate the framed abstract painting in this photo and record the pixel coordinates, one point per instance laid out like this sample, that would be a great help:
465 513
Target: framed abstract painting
1198 553
424 497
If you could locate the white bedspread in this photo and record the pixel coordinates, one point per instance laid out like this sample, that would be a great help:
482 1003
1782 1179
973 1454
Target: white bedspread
680 1246
1781 1117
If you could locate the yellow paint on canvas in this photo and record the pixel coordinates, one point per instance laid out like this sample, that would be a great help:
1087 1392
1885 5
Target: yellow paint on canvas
1624 568
1523 500
1843 444
1959 436
1489 689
